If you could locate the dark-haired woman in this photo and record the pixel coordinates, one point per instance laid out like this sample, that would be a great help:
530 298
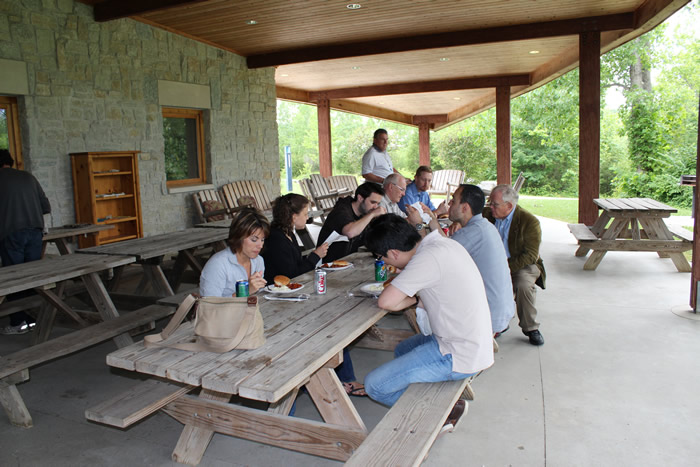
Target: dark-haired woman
282 254
241 261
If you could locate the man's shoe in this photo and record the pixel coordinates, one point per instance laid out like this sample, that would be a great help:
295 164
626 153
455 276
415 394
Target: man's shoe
496 335
21 328
535 337
454 416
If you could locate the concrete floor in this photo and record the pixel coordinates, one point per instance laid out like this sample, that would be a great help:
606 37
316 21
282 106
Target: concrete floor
613 385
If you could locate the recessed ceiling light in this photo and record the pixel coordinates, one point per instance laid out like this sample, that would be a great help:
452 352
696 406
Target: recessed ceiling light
533 52
457 98
284 74
354 6
381 103
444 59
356 68
251 22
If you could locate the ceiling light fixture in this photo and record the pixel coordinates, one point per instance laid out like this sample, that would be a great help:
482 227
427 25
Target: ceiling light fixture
251 22
356 68
457 98
444 59
354 6
284 75
533 52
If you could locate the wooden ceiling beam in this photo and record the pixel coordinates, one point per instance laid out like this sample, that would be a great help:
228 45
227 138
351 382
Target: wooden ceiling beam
116 9
422 86
449 39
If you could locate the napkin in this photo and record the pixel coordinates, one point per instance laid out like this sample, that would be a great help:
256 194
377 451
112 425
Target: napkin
333 237
423 215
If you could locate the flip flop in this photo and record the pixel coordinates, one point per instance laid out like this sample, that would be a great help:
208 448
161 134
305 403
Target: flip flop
355 389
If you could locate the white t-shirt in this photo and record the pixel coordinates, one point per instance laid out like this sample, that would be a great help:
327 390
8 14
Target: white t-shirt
453 295
377 162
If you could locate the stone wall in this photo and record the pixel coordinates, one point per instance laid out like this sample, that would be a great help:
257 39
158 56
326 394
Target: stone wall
93 87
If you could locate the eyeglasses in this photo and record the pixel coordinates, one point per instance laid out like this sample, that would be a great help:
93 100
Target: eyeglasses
402 190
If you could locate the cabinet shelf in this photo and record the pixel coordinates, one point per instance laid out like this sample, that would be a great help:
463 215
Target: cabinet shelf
97 179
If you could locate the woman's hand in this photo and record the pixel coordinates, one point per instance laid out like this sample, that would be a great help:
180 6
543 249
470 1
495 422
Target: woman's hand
322 251
256 282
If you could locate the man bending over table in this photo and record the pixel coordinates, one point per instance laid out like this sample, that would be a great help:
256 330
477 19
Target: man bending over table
452 311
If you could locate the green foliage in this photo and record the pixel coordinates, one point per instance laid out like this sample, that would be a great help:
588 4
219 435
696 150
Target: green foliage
4 142
175 139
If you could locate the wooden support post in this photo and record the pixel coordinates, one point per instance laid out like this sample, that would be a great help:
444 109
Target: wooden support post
695 272
503 148
325 160
424 143
589 126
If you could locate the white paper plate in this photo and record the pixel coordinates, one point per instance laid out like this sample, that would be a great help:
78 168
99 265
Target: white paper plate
336 269
272 288
373 288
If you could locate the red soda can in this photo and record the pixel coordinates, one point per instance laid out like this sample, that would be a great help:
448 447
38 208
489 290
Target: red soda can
320 281
447 231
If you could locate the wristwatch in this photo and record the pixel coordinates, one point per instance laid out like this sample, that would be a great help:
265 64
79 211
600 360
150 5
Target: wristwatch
419 227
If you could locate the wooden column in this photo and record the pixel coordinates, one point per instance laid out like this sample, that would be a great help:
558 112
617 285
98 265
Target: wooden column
695 271
325 160
589 127
424 143
503 148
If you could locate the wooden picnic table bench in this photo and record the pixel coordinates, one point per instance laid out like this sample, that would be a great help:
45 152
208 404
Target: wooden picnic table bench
632 224
62 235
149 253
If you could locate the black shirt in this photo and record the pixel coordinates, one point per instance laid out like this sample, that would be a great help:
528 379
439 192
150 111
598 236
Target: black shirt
283 256
341 215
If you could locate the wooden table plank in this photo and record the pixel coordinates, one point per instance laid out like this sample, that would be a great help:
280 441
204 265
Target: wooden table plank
69 231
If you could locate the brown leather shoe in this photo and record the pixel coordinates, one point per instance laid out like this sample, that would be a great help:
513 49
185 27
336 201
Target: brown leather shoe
454 416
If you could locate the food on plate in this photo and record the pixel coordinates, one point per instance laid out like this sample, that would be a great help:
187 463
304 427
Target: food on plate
391 269
443 216
294 285
376 287
336 264
281 281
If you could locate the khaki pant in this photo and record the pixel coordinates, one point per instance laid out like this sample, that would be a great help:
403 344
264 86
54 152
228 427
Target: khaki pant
525 293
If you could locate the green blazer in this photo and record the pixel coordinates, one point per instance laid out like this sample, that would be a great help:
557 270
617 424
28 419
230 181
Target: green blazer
524 238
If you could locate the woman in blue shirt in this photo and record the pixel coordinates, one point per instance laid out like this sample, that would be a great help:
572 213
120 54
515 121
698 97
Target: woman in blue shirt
241 260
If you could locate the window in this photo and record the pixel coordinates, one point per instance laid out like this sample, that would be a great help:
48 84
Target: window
184 147
9 129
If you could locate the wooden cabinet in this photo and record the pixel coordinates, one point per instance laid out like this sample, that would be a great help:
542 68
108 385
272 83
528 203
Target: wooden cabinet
106 191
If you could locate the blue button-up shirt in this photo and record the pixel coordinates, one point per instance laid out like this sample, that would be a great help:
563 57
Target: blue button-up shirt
483 243
222 271
503 226
412 195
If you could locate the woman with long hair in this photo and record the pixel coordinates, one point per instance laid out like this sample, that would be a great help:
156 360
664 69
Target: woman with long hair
282 254
241 261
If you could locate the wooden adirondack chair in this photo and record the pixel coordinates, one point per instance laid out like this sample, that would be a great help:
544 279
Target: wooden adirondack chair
239 190
210 206
314 212
519 182
445 182
340 182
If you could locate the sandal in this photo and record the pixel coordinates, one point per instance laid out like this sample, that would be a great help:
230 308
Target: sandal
355 389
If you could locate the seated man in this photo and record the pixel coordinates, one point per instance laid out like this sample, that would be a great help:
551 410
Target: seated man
394 187
453 312
349 217
521 235
481 240
418 191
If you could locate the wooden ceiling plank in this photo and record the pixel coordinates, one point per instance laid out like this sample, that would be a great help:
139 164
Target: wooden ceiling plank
448 39
116 9
422 86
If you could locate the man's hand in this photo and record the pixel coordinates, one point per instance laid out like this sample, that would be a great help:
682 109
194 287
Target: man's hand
413 216
256 282
441 209
378 211
454 228
370 177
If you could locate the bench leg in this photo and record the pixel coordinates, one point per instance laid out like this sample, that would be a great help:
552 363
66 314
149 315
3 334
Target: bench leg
284 405
594 260
332 401
100 298
12 401
656 229
194 441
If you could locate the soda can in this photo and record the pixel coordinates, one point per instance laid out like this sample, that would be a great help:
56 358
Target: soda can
447 231
242 289
380 272
320 281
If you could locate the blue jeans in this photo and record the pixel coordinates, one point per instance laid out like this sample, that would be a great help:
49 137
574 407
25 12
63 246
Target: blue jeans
417 360
21 246
345 371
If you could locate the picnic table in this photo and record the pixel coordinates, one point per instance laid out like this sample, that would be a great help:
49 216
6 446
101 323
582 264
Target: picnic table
305 342
42 276
62 235
632 224
149 253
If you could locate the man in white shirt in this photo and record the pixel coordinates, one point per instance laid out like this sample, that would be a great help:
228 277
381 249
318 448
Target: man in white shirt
456 339
376 163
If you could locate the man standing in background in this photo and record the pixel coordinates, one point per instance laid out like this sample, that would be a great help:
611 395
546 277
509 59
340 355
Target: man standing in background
376 163
22 208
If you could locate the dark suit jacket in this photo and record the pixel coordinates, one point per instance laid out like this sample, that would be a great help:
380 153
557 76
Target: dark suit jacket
524 238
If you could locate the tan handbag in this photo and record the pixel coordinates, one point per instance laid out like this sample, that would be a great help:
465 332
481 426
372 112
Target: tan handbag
221 325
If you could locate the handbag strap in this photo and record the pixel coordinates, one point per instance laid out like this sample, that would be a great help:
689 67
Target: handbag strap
174 323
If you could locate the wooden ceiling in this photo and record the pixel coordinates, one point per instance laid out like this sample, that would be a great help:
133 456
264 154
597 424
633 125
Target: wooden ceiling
401 60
